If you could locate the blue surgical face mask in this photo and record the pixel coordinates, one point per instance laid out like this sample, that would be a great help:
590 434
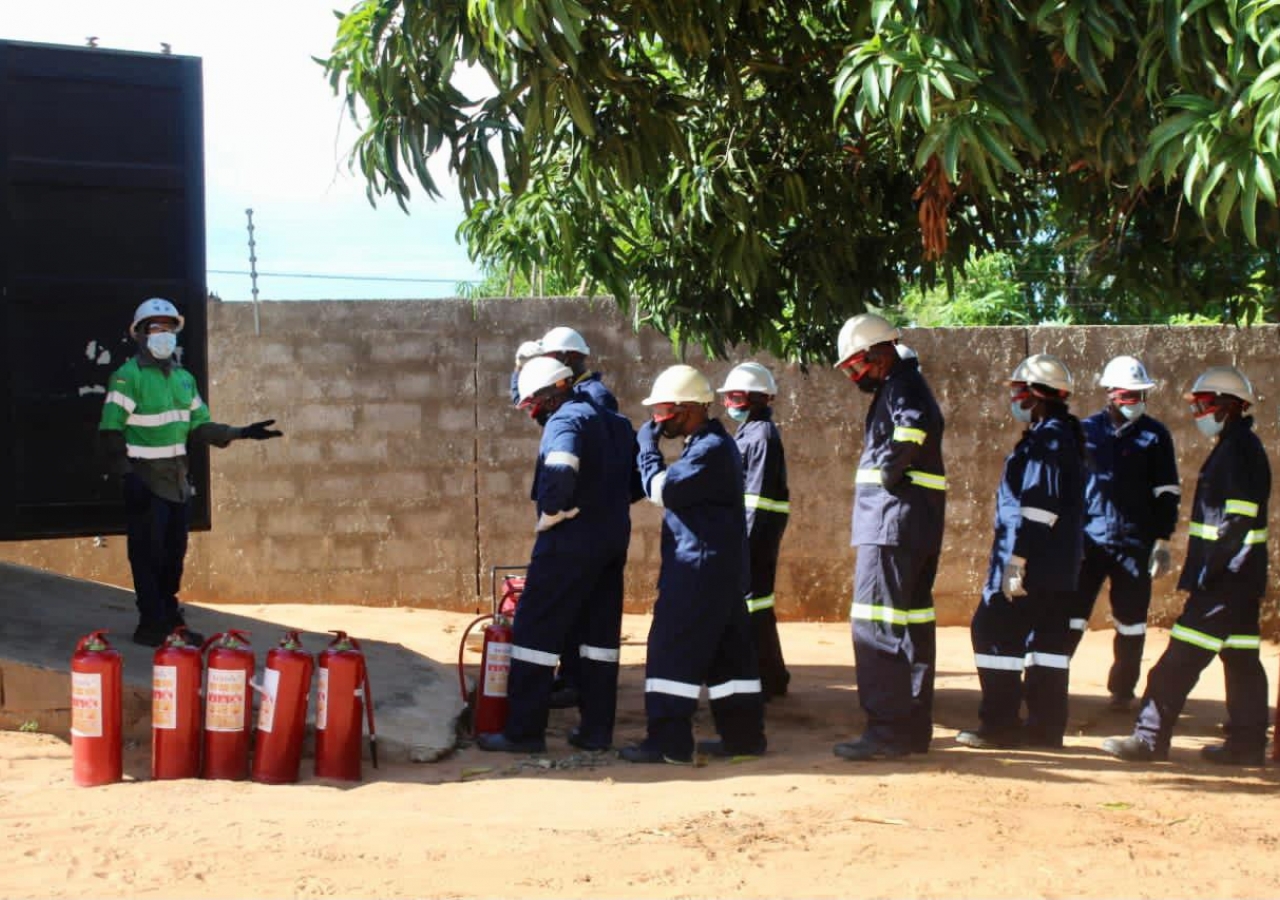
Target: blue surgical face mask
161 344
1132 411
1209 425
738 414
1021 413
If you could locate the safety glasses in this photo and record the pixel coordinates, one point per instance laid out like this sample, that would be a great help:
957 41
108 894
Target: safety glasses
663 412
1204 404
1122 397
736 400
856 366
1019 391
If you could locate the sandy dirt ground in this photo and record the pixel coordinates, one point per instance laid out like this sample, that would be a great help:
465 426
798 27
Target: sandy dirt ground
798 822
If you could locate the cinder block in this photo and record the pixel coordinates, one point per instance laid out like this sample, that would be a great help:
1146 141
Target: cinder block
270 353
252 489
322 417
295 520
397 486
359 521
391 416
415 385
31 688
360 448
330 353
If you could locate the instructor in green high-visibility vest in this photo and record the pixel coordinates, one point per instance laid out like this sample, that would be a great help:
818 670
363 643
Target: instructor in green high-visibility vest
153 411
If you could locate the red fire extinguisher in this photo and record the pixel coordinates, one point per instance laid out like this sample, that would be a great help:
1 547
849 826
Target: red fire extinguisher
341 693
227 708
96 750
282 712
175 707
489 708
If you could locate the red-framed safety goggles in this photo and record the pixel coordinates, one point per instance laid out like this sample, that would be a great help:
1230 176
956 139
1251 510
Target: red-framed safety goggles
663 412
1203 404
856 366
737 399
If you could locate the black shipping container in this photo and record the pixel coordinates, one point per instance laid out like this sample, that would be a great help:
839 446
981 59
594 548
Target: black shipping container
101 207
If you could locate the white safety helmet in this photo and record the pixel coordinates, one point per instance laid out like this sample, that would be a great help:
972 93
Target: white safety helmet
750 377
1126 373
1046 369
538 373
155 308
680 384
860 332
563 339
1223 380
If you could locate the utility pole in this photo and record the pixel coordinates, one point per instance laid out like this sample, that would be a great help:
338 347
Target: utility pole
253 275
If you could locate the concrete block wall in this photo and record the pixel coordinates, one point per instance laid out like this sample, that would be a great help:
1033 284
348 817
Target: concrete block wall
404 473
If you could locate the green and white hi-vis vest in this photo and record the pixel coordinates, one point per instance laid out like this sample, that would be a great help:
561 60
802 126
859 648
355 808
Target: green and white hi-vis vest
154 408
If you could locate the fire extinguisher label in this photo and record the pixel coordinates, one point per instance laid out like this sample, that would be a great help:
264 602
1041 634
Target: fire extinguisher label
322 700
164 697
224 700
496 669
86 704
270 687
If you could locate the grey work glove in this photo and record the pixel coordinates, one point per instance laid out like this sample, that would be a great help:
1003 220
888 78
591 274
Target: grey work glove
1015 572
527 351
1161 562
259 431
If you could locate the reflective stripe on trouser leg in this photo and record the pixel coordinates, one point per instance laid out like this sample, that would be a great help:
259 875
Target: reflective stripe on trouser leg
1093 572
999 634
555 587
600 626
1204 624
892 624
1045 679
1130 600
765 543
1246 680
734 691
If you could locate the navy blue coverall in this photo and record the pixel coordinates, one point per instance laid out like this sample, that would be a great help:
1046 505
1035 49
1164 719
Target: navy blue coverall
701 632
573 589
1131 499
1020 644
899 511
1226 575
768 506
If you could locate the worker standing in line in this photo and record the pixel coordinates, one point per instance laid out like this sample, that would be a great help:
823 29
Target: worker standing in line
152 414
568 346
700 632
748 391
899 511
1226 575
573 590
1020 629
1131 507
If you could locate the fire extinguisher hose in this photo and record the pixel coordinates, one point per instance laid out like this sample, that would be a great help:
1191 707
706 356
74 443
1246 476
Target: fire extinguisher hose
368 708
462 646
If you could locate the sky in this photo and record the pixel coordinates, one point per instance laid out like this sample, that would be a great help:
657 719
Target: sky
276 140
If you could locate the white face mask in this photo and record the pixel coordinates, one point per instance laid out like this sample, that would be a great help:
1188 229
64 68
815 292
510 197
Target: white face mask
739 414
1021 413
161 344
1132 411
1209 426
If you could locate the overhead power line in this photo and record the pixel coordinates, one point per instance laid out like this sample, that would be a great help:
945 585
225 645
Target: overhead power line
345 277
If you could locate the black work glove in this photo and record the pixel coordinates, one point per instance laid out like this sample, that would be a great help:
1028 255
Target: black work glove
259 431
648 436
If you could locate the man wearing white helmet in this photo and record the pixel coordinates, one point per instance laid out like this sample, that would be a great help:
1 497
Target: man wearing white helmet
748 391
1225 574
583 487
1020 629
152 414
1131 508
566 345
899 509
700 632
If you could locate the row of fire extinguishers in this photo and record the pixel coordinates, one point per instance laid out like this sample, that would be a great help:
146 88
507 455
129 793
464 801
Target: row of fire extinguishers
210 739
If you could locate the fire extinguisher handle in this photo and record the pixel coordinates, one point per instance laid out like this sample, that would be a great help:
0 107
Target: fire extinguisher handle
93 637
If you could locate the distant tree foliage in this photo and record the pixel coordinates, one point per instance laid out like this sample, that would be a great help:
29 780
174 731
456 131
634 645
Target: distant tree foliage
753 171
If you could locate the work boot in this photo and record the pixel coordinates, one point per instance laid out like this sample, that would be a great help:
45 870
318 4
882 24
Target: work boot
1032 737
1230 755
990 739
717 749
865 749
150 634
1133 749
1120 703
643 753
503 744
576 739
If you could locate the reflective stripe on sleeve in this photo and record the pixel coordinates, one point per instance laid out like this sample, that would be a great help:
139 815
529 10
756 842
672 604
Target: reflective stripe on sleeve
1048 660
562 458
120 399
1196 638
1040 516
755 604
1242 642
868 476
729 688
674 688
1257 536
655 488
1000 663
169 451
927 480
168 417
1077 624
1241 508
907 435
1202 531
196 403
1167 489
599 654
537 657
1134 630
755 501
